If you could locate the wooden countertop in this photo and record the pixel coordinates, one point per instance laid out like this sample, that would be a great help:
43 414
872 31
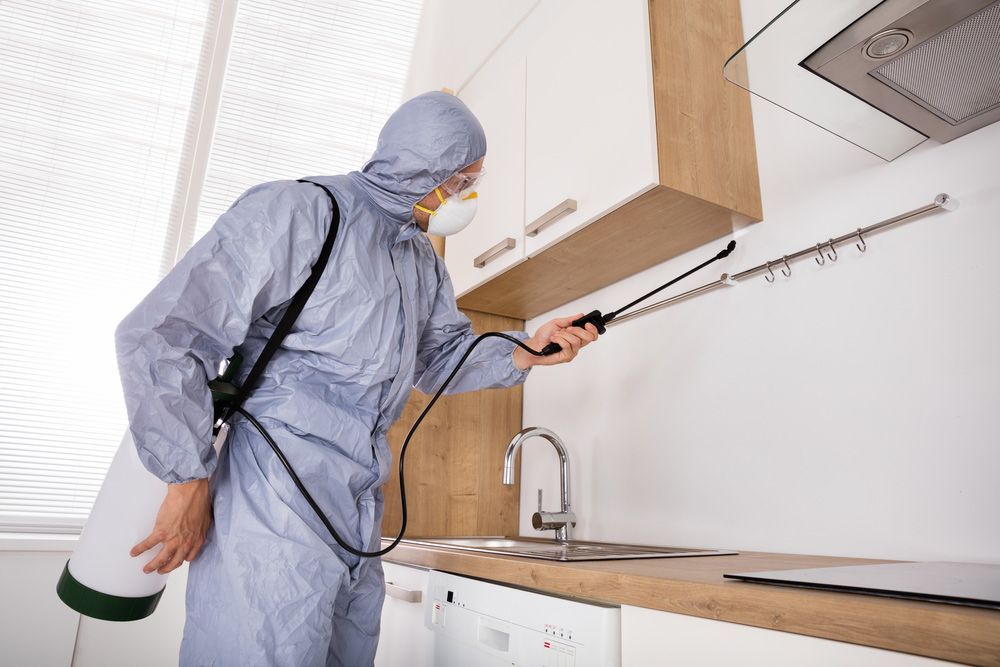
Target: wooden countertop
695 586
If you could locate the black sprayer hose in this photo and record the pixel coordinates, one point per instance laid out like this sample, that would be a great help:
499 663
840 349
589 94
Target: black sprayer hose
406 443
402 452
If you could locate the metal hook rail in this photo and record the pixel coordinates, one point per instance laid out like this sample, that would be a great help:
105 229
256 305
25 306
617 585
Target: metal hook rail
821 252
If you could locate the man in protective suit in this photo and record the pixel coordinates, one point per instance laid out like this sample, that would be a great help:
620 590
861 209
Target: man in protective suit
270 585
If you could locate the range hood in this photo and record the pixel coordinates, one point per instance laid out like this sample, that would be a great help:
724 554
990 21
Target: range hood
883 75
932 64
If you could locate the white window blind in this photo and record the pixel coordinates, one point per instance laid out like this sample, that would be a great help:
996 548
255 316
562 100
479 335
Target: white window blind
95 99
307 89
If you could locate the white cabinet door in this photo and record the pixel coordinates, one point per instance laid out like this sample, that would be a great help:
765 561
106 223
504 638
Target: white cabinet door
652 637
404 641
494 241
590 129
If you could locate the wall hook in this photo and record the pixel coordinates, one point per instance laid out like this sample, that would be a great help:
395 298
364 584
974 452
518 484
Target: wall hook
834 257
861 246
787 271
819 258
769 278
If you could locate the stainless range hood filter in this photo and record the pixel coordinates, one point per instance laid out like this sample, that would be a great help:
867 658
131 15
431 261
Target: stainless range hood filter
931 64
954 74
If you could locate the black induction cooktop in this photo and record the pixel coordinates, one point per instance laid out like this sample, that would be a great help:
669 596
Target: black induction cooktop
971 584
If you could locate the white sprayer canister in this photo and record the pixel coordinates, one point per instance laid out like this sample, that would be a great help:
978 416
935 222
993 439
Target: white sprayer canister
101 579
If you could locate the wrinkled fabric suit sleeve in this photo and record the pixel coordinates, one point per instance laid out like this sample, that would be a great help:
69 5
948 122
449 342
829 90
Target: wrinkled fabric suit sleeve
446 337
255 257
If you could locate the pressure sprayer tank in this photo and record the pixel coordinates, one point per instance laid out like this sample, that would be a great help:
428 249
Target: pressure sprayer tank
101 579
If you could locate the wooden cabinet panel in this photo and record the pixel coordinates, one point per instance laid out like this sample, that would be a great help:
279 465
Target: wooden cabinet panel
704 130
662 223
454 463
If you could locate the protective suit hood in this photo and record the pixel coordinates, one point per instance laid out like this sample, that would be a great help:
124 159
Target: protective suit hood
425 141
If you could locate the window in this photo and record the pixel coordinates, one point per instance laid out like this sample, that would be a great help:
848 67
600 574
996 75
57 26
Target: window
94 105
308 87
100 105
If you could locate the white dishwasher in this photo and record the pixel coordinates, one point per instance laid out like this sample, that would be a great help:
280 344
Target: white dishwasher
481 624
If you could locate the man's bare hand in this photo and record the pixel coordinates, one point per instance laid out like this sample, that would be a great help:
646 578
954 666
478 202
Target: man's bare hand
560 330
181 526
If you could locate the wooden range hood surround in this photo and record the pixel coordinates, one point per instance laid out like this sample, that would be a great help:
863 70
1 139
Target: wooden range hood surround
707 172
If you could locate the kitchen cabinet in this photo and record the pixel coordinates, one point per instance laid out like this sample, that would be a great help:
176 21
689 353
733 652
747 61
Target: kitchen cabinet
635 149
675 609
651 637
590 142
494 241
404 640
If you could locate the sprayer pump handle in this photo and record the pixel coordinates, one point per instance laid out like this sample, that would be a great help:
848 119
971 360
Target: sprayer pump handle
593 317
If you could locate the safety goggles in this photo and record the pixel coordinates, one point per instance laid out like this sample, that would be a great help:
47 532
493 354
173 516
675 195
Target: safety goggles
463 182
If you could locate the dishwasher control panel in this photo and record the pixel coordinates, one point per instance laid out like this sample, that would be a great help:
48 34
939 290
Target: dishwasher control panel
478 622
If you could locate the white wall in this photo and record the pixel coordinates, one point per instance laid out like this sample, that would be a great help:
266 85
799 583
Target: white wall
455 37
848 410
37 629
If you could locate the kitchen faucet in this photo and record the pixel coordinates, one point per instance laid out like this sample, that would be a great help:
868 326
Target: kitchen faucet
558 521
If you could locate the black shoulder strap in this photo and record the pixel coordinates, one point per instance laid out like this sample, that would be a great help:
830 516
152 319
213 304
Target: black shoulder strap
294 308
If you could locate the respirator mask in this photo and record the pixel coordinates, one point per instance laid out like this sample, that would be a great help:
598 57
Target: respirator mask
458 208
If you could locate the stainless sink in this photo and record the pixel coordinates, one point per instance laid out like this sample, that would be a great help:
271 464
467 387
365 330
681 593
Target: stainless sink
573 550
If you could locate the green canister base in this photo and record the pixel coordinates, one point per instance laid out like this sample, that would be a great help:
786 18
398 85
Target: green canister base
103 606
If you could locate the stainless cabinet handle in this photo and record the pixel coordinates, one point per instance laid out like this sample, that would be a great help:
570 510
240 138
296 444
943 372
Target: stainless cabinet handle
494 252
400 593
547 219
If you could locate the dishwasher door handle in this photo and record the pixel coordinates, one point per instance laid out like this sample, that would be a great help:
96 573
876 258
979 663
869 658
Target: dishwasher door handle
404 594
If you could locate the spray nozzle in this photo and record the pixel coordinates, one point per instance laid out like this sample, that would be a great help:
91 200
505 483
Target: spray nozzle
729 249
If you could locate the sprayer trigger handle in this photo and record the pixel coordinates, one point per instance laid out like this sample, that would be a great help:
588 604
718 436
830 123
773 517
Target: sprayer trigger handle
593 317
